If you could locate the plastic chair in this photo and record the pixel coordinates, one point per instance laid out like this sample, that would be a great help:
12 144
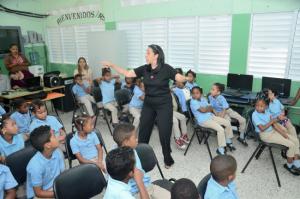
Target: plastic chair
202 185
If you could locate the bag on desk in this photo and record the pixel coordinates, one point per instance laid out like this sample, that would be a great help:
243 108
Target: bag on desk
39 95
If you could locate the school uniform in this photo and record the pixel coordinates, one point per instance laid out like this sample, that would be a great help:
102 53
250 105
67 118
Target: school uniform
86 75
2 110
84 97
7 148
219 103
136 105
117 189
157 105
86 147
130 89
270 135
179 120
23 121
7 180
183 94
154 191
191 85
108 98
208 120
216 191
41 172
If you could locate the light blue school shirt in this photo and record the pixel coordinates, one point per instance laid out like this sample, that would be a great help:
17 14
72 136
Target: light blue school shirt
79 91
50 120
216 191
2 110
87 147
22 120
147 180
41 171
196 105
8 148
108 91
218 103
275 108
181 97
7 180
261 119
191 85
136 102
117 190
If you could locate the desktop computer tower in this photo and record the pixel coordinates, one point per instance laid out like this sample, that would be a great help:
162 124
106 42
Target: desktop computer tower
66 103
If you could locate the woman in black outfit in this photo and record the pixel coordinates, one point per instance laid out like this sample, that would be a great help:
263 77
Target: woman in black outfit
158 101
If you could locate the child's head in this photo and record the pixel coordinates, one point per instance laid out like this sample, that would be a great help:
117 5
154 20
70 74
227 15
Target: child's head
129 80
78 79
81 64
106 74
8 125
272 93
39 109
196 92
260 105
120 163
184 189
216 89
179 70
21 105
191 74
84 123
13 48
125 135
223 168
43 138
179 84
140 84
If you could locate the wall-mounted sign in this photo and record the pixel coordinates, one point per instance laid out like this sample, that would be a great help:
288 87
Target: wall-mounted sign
80 15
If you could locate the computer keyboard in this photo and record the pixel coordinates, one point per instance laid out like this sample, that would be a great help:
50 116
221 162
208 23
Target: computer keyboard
234 93
35 88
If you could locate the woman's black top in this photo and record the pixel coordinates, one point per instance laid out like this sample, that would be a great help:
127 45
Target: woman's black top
156 80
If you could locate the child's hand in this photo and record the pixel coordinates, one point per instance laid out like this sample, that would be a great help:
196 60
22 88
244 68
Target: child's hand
282 117
189 79
106 64
101 166
285 135
138 176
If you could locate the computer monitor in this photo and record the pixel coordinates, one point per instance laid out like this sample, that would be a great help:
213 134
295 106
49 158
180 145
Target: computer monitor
239 82
33 81
282 86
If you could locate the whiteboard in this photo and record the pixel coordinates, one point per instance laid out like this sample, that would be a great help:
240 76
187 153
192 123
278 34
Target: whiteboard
106 45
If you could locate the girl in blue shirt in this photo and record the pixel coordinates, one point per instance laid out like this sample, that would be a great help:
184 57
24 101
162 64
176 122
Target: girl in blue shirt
10 140
137 101
85 144
270 133
192 78
221 109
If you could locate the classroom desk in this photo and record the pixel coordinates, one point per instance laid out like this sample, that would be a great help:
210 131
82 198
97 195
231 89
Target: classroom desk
245 99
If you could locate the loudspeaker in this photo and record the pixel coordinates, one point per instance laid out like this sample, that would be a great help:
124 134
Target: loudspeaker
52 79
66 103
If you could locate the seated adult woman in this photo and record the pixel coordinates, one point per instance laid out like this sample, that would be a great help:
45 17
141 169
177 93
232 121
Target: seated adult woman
84 70
15 61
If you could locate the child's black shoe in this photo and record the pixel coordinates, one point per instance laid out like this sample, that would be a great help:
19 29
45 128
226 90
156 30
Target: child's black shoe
231 147
219 153
293 170
242 141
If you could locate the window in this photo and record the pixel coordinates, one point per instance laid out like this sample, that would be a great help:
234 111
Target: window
140 2
269 45
68 43
294 70
214 44
198 43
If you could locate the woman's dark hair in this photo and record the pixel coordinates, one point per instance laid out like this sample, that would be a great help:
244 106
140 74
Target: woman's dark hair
191 72
221 87
105 71
13 44
197 88
78 67
17 103
158 50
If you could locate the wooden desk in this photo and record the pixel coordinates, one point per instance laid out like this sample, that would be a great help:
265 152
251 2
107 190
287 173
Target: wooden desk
23 92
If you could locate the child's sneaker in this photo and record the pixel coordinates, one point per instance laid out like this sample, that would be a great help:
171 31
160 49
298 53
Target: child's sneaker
180 144
242 141
293 170
185 139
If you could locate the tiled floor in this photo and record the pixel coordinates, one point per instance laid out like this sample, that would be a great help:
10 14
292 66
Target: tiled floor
258 181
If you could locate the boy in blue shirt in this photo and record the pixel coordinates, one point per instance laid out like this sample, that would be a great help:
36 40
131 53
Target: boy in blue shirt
221 185
7 183
183 94
129 84
125 136
120 164
45 165
270 133
10 140
82 92
107 86
85 144
192 77
43 119
137 101
221 109
203 113
22 117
